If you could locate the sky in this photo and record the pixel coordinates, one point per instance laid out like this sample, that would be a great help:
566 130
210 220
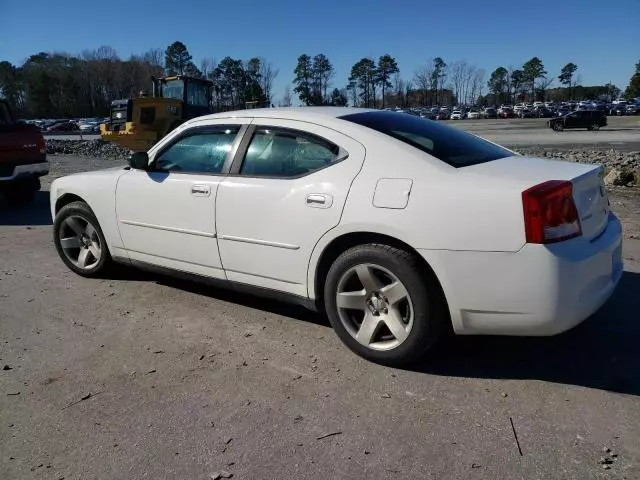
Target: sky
602 38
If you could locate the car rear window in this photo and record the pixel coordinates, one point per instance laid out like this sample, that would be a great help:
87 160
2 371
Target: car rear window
448 144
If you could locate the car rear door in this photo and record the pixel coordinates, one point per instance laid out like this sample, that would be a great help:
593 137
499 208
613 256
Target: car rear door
286 189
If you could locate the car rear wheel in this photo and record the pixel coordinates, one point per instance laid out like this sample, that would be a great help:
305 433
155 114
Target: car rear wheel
595 126
558 127
383 305
79 240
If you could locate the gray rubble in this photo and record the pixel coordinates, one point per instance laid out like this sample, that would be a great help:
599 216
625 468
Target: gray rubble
87 148
609 158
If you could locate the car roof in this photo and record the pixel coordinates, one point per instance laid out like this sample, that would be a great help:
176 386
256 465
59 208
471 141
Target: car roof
292 113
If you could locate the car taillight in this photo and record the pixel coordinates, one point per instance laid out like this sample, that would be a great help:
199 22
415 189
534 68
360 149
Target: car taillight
550 213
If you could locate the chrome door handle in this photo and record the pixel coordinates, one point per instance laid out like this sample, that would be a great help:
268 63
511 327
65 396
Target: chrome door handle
200 190
319 200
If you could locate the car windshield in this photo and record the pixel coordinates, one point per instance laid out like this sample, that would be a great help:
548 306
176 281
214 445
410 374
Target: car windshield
448 144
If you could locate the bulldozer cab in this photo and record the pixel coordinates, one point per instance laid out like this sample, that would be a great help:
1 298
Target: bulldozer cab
138 123
195 93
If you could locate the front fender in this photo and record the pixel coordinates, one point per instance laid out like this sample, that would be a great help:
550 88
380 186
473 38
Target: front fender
98 190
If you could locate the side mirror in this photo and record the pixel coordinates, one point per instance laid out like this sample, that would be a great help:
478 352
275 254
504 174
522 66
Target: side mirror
139 160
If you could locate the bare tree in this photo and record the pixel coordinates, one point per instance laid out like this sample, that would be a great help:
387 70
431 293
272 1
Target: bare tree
154 56
267 75
286 99
423 80
207 66
477 84
106 53
542 87
458 70
407 92
466 83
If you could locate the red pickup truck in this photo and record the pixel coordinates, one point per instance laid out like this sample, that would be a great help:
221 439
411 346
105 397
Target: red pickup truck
23 157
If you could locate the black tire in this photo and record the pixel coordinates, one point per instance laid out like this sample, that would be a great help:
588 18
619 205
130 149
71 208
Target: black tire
594 127
430 315
20 192
82 210
558 126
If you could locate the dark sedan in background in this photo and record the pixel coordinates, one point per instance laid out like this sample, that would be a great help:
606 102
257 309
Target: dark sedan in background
589 119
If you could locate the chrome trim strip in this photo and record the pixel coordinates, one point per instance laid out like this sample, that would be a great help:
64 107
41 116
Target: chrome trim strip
266 243
169 229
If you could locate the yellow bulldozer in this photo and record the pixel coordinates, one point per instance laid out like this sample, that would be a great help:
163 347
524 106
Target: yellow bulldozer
138 123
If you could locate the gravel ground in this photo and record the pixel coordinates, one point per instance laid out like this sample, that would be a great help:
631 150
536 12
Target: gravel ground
142 376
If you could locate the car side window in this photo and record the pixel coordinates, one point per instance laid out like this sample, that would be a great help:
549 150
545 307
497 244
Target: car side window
284 153
203 152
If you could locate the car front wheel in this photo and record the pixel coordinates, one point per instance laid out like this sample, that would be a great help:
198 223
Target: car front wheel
383 304
79 240
558 127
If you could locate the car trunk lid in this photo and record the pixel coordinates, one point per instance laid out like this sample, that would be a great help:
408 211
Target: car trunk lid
520 173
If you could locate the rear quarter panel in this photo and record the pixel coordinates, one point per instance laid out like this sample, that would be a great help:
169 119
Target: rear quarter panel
448 209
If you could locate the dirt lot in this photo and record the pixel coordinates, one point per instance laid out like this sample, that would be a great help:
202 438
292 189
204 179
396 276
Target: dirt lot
143 376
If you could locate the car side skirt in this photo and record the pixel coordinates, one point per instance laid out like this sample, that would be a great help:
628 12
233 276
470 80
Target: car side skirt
222 284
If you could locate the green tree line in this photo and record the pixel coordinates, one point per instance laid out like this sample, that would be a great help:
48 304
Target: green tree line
50 85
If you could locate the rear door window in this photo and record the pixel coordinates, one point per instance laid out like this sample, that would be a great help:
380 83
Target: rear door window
448 144
284 153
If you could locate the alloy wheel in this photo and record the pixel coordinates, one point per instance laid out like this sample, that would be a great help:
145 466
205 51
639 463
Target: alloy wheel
80 242
374 307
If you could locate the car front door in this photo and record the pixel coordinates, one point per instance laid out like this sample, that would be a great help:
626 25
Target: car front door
166 214
287 188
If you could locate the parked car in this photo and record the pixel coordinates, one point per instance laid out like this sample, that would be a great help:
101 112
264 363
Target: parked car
63 127
619 110
505 112
542 112
286 203
525 112
473 115
89 127
490 112
23 157
633 109
589 119
456 115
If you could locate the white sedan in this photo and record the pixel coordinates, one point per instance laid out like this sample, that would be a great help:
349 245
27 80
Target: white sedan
397 227
456 115
473 115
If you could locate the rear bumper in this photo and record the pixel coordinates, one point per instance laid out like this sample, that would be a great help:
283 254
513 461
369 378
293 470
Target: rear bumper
29 170
539 290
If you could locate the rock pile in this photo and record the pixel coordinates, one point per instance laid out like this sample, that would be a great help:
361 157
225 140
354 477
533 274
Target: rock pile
606 158
87 148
